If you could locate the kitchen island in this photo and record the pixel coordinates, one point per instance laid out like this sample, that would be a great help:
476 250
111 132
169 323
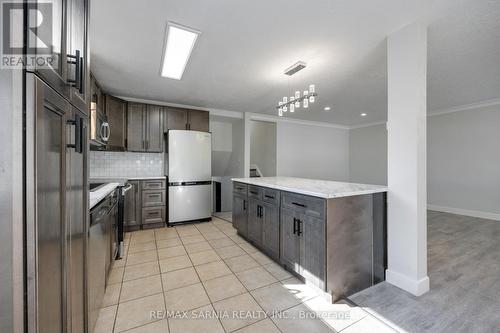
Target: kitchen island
331 234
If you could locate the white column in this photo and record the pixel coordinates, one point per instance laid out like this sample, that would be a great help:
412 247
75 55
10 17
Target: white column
407 178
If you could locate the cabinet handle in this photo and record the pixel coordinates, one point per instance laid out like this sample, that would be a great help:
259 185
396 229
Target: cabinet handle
253 192
298 204
244 205
299 227
258 211
269 197
294 225
78 62
78 123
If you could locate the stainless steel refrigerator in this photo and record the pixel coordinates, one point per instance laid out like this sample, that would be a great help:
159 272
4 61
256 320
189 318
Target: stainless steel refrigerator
189 176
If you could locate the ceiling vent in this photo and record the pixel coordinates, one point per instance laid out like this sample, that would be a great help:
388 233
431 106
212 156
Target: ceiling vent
295 68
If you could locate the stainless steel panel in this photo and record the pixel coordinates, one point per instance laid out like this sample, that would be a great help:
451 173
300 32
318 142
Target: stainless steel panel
186 203
189 156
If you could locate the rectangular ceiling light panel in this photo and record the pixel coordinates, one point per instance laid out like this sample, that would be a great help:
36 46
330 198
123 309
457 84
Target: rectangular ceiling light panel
178 47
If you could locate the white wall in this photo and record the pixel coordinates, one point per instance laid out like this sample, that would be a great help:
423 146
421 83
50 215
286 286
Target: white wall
309 151
227 154
368 155
464 160
263 146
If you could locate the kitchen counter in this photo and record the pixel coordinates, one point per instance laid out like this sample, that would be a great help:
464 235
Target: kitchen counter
314 187
101 192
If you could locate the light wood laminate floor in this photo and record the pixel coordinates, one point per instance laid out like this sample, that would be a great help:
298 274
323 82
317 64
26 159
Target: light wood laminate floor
464 272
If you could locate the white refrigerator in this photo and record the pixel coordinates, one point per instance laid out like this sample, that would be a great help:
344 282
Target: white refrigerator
189 176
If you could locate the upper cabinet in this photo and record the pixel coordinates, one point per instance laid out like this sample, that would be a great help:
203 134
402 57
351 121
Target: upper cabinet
66 71
77 52
116 112
184 119
144 127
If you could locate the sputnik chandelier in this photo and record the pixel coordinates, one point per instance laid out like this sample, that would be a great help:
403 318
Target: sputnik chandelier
308 96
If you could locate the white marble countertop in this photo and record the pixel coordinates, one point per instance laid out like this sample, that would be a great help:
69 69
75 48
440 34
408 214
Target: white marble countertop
314 187
126 178
101 193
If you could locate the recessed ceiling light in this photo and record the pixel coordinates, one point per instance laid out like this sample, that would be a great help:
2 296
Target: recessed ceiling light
327 108
178 47
363 115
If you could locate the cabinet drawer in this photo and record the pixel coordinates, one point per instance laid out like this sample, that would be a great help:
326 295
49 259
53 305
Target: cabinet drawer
271 196
255 192
240 188
153 215
153 184
153 198
304 204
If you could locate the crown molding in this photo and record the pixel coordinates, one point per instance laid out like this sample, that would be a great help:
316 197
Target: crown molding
215 112
465 107
276 119
368 125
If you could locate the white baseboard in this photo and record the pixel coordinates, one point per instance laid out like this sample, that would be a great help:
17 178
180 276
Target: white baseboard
415 287
466 212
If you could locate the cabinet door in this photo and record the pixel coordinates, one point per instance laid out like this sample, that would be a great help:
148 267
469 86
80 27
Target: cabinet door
135 127
198 121
271 229
312 250
254 221
177 119
76 211
77 47
48 144
54 72
240 217
116 111
132 205
154 128
289 242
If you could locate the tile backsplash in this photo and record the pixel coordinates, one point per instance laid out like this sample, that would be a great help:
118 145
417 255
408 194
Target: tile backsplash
125 164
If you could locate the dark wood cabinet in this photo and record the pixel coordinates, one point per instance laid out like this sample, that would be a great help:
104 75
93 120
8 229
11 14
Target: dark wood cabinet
135 127
177 118
185 119
77 52
198 121
154 128
255 221
240 216
144 127
271 229
66 67
145 204
116 112
132 205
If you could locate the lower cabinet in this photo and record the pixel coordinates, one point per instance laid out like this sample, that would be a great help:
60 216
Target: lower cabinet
240 216
289 241
145 204
132 205
255 221
271 230
313 251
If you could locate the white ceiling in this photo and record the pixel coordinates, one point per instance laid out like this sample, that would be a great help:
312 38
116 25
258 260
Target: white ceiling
238 61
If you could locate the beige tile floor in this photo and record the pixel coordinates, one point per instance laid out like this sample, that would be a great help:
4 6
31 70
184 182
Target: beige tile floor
204 278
